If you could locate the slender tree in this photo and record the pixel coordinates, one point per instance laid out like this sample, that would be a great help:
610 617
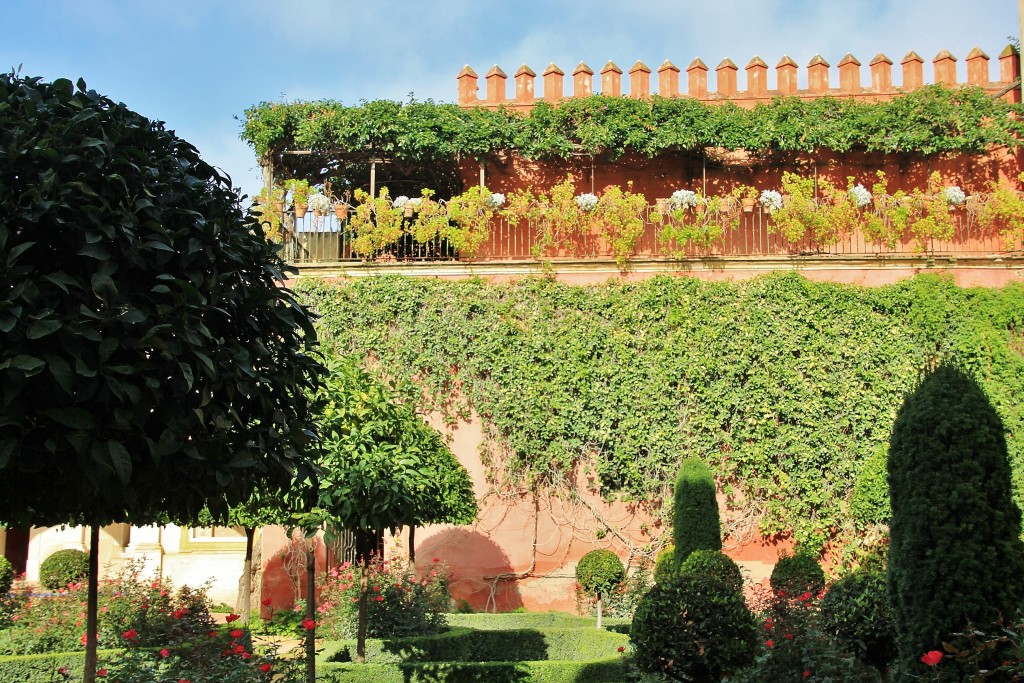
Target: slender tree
151 363
695 522
955 557
382 467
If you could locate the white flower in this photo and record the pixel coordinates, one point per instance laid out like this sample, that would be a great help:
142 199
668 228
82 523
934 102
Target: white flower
319 203
860 195
683 199
771 201
496 201
587 201
954 195
399 201
415 201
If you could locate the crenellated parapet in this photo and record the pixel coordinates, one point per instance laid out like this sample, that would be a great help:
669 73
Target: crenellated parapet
846 80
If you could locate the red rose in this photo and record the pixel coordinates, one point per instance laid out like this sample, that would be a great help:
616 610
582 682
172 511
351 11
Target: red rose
806 673
266 602
165 653
932 658
265 667
237 633
309 624
232 617
130 634
621 648
101 672
769 643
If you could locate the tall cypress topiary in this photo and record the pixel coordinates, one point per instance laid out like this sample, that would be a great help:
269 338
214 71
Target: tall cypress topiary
695 524
955 556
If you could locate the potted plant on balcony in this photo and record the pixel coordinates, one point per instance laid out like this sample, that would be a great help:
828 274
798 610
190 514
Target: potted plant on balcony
319 204
470 213
1003 212
690 220
431 218
299 190
375 223
620 219
269 206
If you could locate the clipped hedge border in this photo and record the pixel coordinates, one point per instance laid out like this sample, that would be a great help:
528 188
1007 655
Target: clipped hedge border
42 668
521 620
461 644
610 670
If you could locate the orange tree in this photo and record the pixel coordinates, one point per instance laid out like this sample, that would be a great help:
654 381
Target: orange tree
151 363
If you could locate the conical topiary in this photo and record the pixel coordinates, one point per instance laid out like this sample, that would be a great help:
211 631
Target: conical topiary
695 524
955 556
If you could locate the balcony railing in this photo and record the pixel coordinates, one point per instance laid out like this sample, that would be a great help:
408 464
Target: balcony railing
328 240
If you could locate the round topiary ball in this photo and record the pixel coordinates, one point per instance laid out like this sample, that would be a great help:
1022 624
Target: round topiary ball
6 576
716 564
599 571
857 609
796 574
665 565
64 567
693 627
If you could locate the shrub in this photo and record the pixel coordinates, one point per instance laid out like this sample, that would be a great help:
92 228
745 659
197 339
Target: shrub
857 610
716 564
6 576
665 566
600 571
692 626
400 604
64 567
797 573
621 601
695 524
955 557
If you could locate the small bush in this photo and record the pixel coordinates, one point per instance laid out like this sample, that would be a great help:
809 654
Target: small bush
600 571
797 573
858 611
693 627
6 576
62 568
400 604
715 564
665 565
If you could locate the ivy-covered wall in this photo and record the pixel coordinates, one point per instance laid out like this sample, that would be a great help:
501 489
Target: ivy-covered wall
784 386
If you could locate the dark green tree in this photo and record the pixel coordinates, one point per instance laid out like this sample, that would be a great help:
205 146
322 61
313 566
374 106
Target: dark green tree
382 467
695 522
955 555
598 572
151 362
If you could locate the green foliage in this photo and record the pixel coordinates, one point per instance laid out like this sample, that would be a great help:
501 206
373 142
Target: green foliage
785 387
6 576
383 467
600 571
716 564
857 610
692 626
929 121
869 499
695 523
797 573
955 558
400 604
44 668
665 566
64 567
147 350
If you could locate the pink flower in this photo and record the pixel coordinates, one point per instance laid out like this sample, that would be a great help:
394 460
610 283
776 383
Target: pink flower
931 658
165 653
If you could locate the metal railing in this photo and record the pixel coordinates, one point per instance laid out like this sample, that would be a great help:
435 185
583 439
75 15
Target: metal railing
328 239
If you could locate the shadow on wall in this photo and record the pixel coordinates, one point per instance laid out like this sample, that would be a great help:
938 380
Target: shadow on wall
486 580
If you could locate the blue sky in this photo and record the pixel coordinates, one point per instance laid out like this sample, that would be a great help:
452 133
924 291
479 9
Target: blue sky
197 64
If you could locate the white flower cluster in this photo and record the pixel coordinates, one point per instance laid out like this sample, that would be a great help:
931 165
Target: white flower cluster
954 195
415 201
771 201
587 201
860 196
496 201
399 201
319 203
683 199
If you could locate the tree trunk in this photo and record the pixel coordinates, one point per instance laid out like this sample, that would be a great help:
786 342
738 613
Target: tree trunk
245 609
311 610
599 611
91 605
366 548
412 549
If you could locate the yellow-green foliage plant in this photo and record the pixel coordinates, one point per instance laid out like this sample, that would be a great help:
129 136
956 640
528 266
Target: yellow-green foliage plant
557 220
620 219
430 219
470 213
799 215
1003 211
696 225
375 222
888 221
931 217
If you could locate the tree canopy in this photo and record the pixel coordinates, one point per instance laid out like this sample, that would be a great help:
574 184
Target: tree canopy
151 363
